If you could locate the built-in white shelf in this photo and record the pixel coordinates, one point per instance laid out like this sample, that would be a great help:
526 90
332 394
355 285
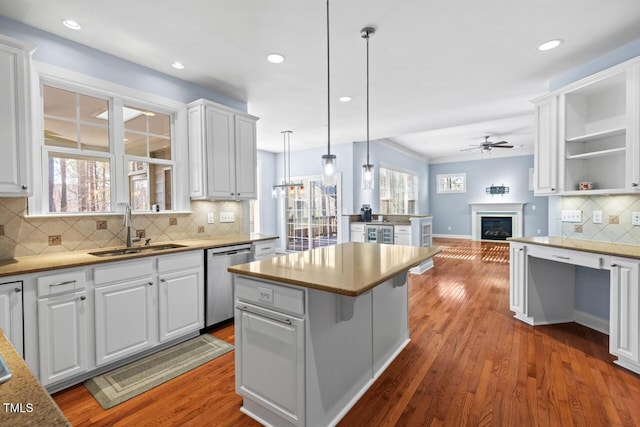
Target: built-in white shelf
599 153
598 135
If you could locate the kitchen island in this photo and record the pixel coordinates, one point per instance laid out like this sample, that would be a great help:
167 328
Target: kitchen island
315 329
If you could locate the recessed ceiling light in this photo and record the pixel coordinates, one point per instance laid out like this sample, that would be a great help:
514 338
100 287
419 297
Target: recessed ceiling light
70 23
275 58
551 44
344 99
177 65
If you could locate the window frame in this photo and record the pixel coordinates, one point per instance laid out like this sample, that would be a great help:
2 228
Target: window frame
450 190
412 173
118 96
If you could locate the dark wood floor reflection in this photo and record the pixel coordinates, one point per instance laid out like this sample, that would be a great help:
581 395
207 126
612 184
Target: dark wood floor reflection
469 363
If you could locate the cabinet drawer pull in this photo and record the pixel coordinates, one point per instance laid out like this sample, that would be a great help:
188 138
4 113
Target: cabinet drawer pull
68 282
520 249
634 184
614 265
267 315
561 257
18 290
83 298
150 283
163 280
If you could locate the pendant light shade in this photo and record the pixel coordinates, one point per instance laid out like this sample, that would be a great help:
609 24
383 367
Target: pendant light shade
288 187
328 160
367 169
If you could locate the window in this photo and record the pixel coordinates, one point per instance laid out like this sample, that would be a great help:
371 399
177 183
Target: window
312 215
85 142
451 183
398 192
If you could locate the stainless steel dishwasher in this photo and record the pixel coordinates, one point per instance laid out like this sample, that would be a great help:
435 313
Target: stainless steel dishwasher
219 292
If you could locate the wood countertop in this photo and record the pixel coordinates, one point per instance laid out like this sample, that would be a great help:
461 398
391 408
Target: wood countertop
594 246
348 268
37 408
32 264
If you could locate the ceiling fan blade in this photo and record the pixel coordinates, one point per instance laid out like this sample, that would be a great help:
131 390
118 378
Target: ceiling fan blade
502 146
499 143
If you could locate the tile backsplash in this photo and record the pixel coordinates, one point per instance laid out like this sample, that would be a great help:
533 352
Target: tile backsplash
23 236
616 218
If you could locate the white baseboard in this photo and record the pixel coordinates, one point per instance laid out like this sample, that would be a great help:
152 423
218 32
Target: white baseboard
453 236
590 321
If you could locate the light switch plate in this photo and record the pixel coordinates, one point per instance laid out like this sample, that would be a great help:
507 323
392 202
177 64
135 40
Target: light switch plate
571 215
226 217
597 217
635 218
210 218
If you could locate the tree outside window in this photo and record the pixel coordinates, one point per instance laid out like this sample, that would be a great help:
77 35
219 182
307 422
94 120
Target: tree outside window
398 192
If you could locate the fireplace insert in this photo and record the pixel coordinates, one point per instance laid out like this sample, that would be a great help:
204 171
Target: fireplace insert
496 227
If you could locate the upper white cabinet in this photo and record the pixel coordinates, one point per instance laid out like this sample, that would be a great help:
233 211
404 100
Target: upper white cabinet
587 135
222 152
15 113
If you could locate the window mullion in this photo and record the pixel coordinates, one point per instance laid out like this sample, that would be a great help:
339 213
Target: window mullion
120 191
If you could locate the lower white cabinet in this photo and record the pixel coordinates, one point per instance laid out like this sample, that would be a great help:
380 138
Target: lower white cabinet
125 319
11 313
624 324
62 336
517 278
402 235
356 232
181 294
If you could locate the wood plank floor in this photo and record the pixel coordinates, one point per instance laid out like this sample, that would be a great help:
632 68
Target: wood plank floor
469 363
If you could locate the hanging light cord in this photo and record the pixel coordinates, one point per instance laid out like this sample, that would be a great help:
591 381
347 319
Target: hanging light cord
367 98
328 89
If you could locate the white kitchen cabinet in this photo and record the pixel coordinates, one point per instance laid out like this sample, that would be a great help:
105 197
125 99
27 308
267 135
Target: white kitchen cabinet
15 113
263 249
545 160
181 295
518 279
356 232
624 324
125 319
11 312
587 133
125 298
402 235
63 312
223 153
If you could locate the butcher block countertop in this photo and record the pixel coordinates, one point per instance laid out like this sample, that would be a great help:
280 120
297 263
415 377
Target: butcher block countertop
594 246
32 264
348 268
32 405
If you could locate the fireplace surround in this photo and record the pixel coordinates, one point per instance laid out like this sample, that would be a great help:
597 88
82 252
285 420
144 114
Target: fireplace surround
514 211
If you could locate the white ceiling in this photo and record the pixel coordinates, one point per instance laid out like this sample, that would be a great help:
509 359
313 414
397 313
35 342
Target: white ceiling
443 74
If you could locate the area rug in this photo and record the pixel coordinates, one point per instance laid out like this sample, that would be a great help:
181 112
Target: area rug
135 378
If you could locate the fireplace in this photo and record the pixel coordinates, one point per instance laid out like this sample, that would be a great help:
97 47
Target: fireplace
496 227
501 212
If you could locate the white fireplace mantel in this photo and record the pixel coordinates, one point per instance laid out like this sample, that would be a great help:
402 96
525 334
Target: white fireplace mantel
514 210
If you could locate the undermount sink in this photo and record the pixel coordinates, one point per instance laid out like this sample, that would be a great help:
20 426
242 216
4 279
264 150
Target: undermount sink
135 250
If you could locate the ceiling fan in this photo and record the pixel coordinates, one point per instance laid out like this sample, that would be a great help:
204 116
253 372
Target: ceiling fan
487 146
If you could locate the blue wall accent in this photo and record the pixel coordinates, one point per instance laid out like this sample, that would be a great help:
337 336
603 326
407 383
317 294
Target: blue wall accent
64 53
615 57
452 213
592 292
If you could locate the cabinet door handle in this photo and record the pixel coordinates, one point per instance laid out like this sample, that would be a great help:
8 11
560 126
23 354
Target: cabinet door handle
163 280
83 298
553 189
150 283
18 290
24 187
634 184
68 282
614 265
561 257
520 249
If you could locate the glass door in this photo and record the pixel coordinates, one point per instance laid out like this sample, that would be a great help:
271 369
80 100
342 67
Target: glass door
312 215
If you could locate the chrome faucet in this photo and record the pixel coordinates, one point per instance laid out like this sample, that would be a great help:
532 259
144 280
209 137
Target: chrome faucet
128 225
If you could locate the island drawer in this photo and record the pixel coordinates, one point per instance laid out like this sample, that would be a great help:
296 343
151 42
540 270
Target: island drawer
55 284
585 259
270 295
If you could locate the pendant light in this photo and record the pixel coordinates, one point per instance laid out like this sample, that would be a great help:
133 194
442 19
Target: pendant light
367 168
328 160
293 188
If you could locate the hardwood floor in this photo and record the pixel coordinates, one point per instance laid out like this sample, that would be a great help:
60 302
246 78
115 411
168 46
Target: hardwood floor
469 363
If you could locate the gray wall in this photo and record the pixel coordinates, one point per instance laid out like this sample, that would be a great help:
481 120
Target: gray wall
452 213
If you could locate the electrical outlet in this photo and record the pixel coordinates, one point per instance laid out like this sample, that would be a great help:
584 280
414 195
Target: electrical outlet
597 217
577 228
210 218
614 219
571 216
226 217
635 218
